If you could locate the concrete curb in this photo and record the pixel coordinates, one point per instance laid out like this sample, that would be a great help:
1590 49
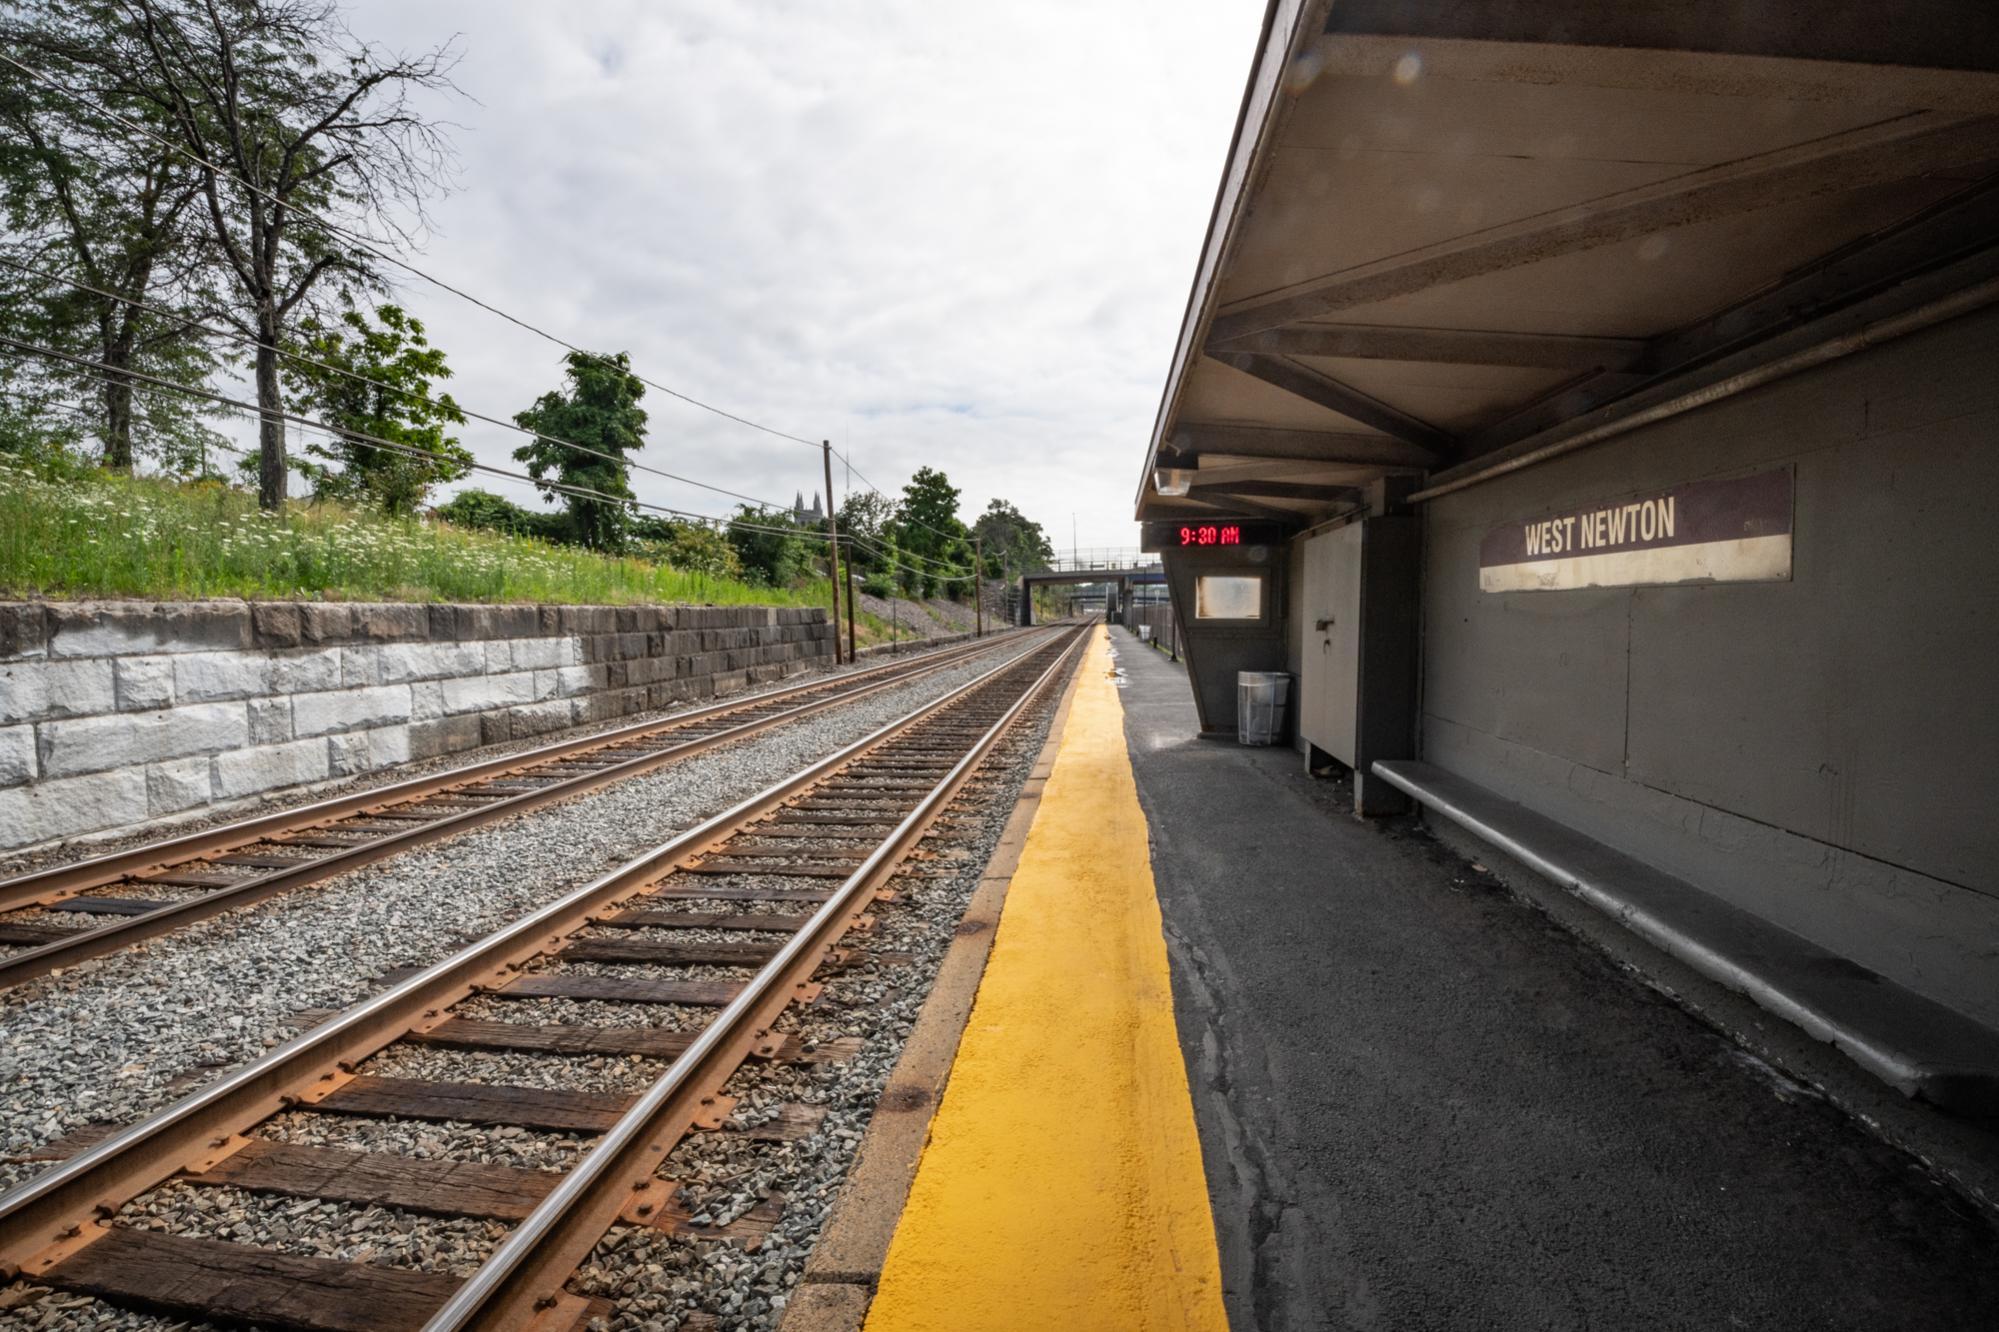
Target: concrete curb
839 1280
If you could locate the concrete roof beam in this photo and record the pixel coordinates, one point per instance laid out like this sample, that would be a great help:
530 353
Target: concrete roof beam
1895 149
1374 342
1304 382
1194 438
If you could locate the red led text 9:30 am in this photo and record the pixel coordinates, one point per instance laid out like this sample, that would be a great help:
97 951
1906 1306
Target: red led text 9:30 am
1210 535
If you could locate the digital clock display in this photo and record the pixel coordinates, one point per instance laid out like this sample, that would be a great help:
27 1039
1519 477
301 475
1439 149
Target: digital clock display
1216 534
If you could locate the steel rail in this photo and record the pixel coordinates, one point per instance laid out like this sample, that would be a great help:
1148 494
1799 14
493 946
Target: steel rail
45 1217
25 965
97 871
525 1274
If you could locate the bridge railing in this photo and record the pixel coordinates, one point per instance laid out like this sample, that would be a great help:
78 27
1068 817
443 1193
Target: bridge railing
1128 563
1100 557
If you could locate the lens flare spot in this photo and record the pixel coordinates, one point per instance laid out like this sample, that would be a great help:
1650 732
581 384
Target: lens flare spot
1304 71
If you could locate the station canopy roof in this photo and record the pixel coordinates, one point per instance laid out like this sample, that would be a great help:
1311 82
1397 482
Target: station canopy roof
1448 231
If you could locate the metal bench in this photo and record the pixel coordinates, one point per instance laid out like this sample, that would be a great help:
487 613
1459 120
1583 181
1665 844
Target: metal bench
1920 1047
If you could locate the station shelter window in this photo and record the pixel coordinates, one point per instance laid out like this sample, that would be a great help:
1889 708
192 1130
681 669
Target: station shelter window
1228 597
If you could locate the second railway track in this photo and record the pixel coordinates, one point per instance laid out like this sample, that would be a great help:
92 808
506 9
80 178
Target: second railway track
147 890
770 887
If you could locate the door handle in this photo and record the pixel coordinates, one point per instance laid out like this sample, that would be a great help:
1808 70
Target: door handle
1320 626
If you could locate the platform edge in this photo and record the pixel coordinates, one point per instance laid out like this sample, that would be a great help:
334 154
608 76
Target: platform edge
838 1284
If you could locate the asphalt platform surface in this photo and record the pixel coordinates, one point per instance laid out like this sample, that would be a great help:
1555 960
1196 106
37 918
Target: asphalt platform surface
1424 1104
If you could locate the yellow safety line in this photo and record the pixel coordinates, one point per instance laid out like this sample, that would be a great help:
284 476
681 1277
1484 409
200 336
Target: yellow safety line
1061 1188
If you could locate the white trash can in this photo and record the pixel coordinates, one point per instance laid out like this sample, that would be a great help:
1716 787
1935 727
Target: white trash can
1260 700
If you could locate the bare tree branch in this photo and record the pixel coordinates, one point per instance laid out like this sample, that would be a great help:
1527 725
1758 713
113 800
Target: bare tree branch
291 118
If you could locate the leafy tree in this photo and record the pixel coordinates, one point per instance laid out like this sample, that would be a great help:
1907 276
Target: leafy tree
105 254
867 520
1013 542
893 575
868 514
375 380
599 410
927 528
36 426
297 118
768 547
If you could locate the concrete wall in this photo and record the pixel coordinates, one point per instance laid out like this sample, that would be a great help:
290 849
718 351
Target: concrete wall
115 713
1823 751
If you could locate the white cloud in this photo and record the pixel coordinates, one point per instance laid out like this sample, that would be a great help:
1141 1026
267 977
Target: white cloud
935 233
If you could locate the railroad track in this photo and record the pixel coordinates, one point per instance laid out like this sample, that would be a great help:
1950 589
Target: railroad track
770 887
160 886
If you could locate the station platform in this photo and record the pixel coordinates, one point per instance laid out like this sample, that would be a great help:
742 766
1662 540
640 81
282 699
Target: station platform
1239 1059
1061 1186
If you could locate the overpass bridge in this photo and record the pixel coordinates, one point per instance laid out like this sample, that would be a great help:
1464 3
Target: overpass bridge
1118 575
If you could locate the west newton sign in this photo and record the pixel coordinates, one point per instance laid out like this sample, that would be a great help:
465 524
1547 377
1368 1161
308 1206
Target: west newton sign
1736 530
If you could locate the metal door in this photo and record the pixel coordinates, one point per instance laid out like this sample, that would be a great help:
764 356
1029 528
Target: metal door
1330 685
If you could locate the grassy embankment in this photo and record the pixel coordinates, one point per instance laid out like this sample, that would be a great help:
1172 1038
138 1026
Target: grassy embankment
104 536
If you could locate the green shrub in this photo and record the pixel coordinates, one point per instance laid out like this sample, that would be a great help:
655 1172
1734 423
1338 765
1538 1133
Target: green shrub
769 552
690 548
483 511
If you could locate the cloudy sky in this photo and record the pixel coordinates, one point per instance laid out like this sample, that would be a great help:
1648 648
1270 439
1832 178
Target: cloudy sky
933 232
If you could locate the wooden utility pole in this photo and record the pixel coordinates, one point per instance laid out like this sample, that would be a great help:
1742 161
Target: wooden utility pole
978 587
833 548
853 611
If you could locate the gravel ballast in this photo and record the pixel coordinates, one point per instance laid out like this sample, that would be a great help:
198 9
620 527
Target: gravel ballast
102 1041
655 1279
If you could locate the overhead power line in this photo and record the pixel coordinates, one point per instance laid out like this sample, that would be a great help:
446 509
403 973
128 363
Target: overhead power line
302 359
368 245
252 411
109 374
872 548
143 380
361 437
949 536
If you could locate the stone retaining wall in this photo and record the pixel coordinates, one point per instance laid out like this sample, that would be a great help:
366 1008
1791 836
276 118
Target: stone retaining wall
118 712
